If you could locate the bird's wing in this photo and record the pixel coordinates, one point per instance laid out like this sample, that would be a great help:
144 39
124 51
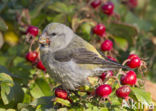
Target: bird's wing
82 52
83 56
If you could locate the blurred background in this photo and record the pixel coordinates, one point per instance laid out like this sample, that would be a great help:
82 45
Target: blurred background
132 30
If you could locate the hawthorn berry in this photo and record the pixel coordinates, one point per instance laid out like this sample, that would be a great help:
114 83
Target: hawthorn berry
108 8
61 93
32 30
123 92
112 58
31 56
134 61
129 79
95 3
107 45
133 3
40 65
103 90
99 30
103 75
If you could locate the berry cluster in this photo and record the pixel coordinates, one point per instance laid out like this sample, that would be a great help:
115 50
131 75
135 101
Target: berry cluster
33 56
128 79
99 30
133 61
107 8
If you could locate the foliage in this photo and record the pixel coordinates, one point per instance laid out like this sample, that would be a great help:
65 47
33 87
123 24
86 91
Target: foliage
25 88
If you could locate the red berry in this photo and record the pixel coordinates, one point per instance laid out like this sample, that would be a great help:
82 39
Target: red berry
112 58
108 73
95 3
99 30
108 8
40 65
104 90
32 30
107 45
134 62
123 92
132 56
61 93
31 56
129 79
133 3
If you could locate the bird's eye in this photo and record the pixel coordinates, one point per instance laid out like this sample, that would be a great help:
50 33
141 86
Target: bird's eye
53 34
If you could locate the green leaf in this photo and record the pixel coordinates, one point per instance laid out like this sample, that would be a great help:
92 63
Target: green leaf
61 18
38 20
123 30
119 8
25 107
14 96
62 101
133 19
103 109
34 13
3 26
121 43
2 109
142 96
45 101
11 91
27 96
10 110
6 80
115 100
62 109
59 7
5 90
40 88
85 30
4 61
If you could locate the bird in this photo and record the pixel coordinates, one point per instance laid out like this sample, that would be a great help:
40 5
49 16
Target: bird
69 59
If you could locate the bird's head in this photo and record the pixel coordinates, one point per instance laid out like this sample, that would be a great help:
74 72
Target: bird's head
55 37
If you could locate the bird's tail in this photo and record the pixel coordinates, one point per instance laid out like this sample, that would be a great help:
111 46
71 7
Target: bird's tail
109 65
113 64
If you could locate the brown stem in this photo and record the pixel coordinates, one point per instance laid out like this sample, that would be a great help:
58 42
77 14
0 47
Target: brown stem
109 19
146 3
116 80
117 16
120 73
109 100
127 60
113 78
32 42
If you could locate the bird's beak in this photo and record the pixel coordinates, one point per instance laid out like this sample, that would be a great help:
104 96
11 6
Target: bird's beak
44 40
